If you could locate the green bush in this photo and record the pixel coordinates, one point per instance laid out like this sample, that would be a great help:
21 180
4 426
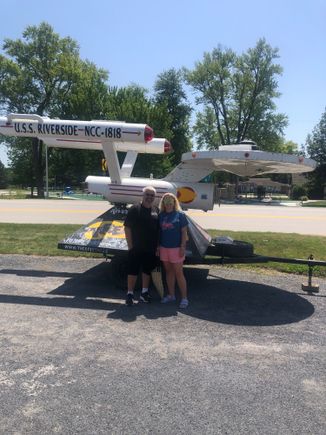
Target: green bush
298 192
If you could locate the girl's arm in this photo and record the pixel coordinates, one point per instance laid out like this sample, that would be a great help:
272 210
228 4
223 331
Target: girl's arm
184 238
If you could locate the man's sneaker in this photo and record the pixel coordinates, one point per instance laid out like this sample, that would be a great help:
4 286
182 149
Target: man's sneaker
167 299
184 303
130 299
145 297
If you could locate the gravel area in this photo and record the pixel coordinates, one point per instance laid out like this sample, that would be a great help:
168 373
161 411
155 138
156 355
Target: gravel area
247 356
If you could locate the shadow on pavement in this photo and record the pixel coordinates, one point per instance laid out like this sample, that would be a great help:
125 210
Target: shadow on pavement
39 273
236 302
212 298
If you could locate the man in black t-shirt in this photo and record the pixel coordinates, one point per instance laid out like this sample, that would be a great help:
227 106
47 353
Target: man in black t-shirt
141 229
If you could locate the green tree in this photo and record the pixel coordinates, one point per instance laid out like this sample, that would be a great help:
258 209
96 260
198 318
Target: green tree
289 147
316 142
21 158
170 93
237 93
3 176
43 74
316 149
132 104
205 129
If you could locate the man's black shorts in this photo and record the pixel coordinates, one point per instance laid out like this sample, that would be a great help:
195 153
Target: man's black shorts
145 261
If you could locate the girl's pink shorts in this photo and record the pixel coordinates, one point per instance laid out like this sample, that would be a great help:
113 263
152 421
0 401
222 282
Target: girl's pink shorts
171 255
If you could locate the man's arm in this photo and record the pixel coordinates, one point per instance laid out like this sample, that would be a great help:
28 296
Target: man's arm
129 222
128 237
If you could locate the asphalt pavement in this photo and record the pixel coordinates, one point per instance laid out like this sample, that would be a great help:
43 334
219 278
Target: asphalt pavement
247 356
233 217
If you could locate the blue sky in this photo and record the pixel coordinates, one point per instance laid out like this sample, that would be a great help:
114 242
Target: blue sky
137 40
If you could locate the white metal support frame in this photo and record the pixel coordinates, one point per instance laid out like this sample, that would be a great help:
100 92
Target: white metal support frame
112 161
128 164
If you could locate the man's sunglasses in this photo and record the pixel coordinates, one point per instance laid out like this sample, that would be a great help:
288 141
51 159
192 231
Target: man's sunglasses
151 195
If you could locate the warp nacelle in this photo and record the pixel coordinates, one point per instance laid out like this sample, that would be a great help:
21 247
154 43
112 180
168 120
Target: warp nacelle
68 132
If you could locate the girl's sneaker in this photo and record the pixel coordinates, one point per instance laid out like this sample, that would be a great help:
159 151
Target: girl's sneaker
167 299
184 303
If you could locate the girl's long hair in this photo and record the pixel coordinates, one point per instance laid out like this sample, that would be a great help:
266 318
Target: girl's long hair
176 202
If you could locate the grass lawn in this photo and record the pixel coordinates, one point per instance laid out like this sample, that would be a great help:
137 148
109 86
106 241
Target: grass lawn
42 239
283 245
321 203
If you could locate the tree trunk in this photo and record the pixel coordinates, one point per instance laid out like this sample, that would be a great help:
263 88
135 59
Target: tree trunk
38 166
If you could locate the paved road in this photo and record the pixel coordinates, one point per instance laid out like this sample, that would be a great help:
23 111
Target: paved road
247 357
302 220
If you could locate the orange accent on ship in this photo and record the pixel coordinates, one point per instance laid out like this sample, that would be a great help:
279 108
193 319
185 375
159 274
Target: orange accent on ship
186 194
